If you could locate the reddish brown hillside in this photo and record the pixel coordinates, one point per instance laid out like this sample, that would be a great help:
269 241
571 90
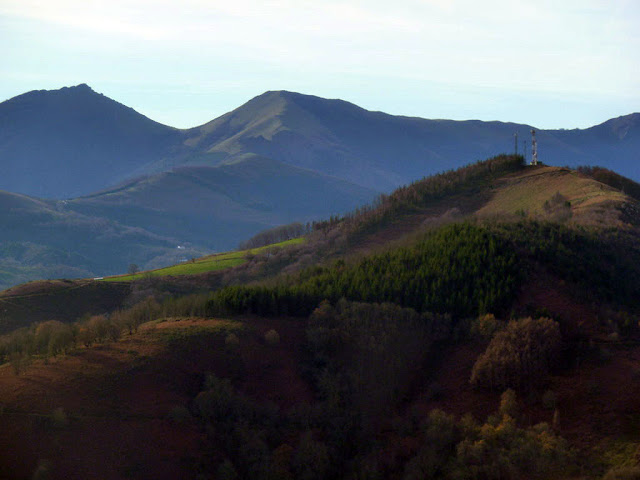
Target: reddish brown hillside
124 403
63 300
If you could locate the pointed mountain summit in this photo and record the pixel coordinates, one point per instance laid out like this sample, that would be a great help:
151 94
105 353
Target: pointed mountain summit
334 137
72 141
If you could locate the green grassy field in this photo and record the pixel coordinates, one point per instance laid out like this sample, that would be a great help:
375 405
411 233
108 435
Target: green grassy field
210 263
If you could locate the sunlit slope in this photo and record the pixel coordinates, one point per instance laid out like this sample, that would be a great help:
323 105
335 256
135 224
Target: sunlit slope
558 194
210 263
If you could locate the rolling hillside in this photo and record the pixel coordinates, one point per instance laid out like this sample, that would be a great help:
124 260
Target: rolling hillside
43 239
218 207
279 158
503 349
498 190
201 209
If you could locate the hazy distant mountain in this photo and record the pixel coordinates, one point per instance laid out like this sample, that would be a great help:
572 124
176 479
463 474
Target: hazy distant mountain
143 221
44 239
383 151
614 144
220 206
74 141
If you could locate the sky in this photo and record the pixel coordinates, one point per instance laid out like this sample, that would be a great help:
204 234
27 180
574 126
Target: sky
550 64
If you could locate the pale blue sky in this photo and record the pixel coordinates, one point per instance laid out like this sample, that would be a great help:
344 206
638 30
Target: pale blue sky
552 64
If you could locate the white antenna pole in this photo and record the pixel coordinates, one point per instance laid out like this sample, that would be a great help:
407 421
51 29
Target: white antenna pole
534 148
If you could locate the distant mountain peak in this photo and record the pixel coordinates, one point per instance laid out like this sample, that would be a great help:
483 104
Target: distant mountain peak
621 126
73 141
82 87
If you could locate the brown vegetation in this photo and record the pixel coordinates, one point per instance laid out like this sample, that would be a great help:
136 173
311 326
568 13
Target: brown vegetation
521 355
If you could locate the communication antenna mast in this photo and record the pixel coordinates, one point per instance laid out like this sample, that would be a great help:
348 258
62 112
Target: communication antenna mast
525 150
515 141
534 148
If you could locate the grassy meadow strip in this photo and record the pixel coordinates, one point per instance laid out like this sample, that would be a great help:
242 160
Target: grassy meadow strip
211 263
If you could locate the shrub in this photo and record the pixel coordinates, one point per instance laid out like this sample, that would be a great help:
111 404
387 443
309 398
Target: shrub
519 356
226 471
311 460
19 361
623 473
58 418
497 450
549 400
272 337
509 403
42 471
232 340
504 451
180 414
485 326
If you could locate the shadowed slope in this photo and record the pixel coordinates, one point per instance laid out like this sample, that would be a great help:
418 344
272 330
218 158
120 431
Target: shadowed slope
72 141
44 239
223 205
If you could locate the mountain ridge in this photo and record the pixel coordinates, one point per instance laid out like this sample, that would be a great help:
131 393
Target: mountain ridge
383 151
370 148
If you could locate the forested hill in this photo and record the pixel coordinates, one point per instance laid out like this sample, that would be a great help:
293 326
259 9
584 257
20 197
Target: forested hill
479 323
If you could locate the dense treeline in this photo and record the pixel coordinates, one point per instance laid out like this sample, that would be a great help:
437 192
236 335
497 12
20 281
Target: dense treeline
604 264
459 269
51 338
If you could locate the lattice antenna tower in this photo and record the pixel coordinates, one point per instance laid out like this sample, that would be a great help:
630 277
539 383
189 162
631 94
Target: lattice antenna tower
534 148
